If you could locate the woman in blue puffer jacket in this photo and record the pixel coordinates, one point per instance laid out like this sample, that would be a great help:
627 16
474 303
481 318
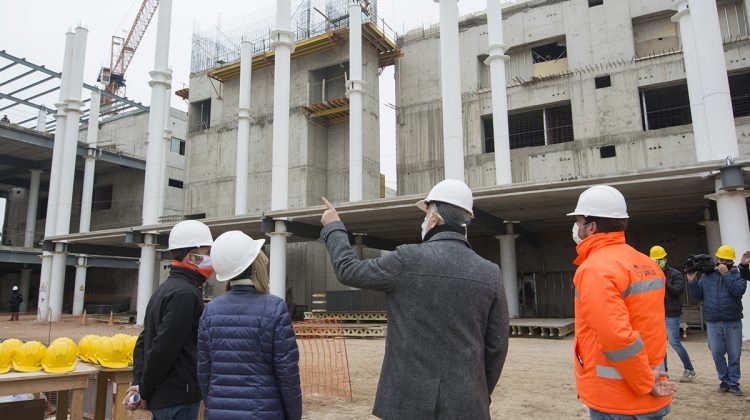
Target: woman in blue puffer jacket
247 351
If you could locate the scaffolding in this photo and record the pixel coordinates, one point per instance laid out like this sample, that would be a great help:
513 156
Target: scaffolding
220 45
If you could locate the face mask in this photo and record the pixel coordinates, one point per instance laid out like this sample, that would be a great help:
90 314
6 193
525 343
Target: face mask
577 239
205 261
662 263
425 224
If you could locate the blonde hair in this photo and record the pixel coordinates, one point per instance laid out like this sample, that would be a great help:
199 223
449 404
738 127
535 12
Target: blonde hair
258 272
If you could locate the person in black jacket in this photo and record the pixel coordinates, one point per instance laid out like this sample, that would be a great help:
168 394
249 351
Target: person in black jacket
165 356
15 303
675 287
744 265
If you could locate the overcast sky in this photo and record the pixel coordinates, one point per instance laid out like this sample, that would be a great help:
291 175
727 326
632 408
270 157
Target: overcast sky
35 29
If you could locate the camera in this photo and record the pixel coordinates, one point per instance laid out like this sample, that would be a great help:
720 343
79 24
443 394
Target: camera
700 262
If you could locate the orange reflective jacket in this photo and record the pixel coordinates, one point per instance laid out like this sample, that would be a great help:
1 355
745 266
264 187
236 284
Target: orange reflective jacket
620 332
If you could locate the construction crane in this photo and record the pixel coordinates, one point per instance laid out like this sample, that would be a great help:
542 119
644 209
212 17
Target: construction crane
123 49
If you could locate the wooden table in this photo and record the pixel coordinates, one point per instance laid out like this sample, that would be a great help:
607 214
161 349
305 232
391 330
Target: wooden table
122 378
36 382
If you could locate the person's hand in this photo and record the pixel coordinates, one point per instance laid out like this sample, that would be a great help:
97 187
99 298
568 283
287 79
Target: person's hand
132 391
662 388
330 215
723 269
691 276
745 259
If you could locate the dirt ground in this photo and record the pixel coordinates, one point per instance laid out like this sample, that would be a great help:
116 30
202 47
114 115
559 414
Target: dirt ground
538 383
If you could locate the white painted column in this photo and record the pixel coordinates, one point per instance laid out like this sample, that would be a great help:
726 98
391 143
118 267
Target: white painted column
243 130
355 89
450 84
160 83
283 45
496 61
28 240
24 289
692 69
278 259
67 173
713 235
717 101
41 123
54 182
79 289
508 270
166 143
87 190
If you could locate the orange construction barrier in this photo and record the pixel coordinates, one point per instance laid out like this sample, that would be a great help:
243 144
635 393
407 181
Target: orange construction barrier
323 361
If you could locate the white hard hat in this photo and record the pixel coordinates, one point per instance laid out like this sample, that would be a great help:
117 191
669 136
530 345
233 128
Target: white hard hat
232 253
189 234
450 191
601 201
15 287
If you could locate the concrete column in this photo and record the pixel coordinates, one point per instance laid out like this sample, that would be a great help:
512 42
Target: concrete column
160 83
57 283
41 122
354 90
717 101
283 45
508 269
54 182
80 286
713 235
145 276
450 84
243 130
24 289
496 61
277 272
92 135
28 240
166 142
695 88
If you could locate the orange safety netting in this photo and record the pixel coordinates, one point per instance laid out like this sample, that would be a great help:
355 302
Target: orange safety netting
323 362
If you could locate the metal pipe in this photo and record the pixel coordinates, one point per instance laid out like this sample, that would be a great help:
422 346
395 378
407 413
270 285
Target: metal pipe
41 120
695 90
355 89
28 240
79 290
283 45
277 272
496 60
87 193
450 84
24 289
243 129
509 271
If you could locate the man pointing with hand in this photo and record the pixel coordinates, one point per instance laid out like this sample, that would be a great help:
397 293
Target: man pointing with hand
447 314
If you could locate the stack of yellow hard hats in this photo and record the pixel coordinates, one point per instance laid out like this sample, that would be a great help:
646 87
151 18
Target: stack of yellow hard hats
86 347
60 356
112 353
8 349
29 357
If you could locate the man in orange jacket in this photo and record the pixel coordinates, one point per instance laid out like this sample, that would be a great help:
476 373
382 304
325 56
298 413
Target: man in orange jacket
621 338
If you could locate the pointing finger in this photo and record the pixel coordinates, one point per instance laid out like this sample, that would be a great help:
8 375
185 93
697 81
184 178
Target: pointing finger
328 204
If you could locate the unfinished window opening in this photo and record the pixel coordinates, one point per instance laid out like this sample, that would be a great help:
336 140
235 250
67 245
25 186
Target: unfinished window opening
483 72
177 146
559 123
541 127
488 134
603 82
327 83
665 107
739 89
593 3
732 20
549 59
102 198
200 115
655 35
607 152
175 183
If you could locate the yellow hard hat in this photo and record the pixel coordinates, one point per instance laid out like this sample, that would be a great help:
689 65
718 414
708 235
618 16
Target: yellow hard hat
65 340
726 252
60 357
86 349
123 337
13 344
6 357
112 353
657 252
131 346
29 357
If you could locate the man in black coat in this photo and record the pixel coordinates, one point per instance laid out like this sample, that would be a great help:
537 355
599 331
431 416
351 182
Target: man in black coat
165 356
15 303
675 287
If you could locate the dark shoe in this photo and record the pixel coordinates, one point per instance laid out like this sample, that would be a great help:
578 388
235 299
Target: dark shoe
736 390
724 387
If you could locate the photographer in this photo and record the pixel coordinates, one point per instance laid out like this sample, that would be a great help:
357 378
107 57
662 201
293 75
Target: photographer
721 291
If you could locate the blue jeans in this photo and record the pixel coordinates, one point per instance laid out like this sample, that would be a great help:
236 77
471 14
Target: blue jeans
725 339
656 415
673 335
177 412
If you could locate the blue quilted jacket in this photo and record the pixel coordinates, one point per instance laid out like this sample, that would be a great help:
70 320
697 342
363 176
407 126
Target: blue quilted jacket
248 358
721 295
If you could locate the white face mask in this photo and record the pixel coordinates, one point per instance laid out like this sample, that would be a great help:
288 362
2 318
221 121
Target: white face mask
577 239
205 261
425 225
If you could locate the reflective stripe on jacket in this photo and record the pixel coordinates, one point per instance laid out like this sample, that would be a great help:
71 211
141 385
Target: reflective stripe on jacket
620 332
